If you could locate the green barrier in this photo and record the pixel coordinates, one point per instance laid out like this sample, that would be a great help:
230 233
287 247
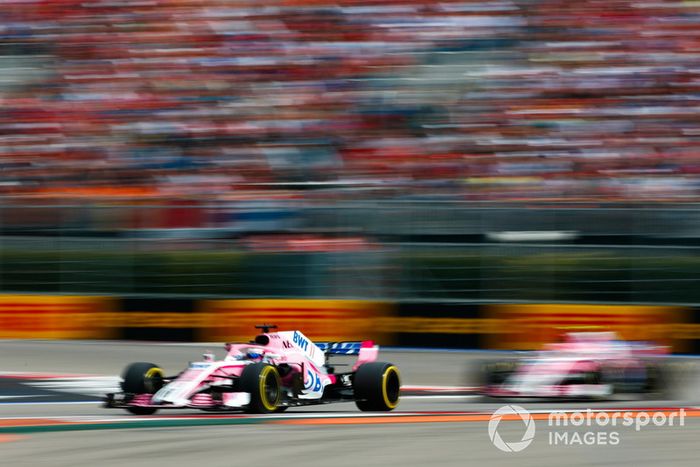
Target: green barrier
465 273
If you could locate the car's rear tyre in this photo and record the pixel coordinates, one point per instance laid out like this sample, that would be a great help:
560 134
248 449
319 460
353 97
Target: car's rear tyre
592 377
262 381
376 386
142 378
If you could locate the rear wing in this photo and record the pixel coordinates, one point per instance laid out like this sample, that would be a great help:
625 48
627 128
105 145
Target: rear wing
343 348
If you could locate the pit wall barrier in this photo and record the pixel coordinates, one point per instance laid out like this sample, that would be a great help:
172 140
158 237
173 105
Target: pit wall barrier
190 320
530 326
320 320
57 317
157 319
425 325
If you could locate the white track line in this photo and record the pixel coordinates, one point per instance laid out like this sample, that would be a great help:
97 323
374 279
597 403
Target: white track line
441 396
51 403
21 396
412 387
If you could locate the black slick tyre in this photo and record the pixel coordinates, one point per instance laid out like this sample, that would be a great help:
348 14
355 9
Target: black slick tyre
262 381
142 378
376 387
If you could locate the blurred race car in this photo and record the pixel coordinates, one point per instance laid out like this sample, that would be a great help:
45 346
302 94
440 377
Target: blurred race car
584 365
275 371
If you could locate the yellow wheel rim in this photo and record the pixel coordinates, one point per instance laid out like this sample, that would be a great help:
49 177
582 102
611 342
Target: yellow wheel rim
268 404
148 377
385 393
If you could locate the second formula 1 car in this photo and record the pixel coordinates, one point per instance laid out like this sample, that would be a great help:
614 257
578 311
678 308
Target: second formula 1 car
584 365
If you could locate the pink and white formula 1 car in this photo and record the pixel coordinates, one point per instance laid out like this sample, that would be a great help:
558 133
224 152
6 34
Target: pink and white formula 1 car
585 365
275 371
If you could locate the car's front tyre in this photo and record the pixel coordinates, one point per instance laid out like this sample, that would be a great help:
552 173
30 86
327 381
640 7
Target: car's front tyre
142 378
262 381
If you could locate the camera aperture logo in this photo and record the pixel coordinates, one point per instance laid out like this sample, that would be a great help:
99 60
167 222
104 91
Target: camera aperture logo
511 412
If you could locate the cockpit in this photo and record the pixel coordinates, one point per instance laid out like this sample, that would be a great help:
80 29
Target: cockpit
252 353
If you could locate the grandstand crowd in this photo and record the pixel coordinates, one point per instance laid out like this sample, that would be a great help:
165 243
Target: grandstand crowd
484 100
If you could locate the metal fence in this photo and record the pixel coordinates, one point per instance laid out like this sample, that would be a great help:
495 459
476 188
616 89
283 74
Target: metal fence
370 217
551 272
413 252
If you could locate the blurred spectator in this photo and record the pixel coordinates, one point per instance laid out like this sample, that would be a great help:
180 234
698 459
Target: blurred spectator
478 100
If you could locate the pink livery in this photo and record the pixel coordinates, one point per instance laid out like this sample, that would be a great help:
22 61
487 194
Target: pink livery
584 365
274 371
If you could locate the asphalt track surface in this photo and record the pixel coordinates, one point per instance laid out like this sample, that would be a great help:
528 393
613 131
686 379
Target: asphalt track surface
49 417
